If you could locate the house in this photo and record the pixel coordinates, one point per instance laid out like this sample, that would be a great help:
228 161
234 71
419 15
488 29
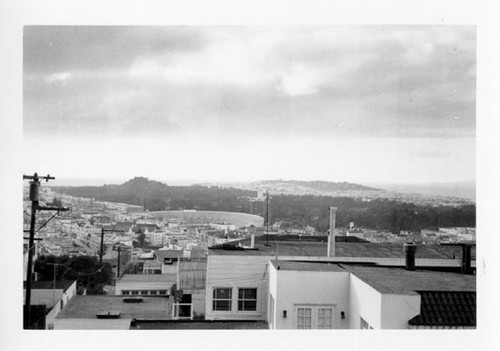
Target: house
237 281
112 312
145 284
53 297
185 268
324 295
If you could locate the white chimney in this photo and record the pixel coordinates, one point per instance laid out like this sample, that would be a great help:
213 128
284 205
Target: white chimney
252 240
331 236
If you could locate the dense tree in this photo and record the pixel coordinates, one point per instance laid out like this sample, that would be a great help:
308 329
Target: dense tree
85 269
380 214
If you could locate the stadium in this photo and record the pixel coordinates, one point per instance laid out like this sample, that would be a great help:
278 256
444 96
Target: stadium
239 219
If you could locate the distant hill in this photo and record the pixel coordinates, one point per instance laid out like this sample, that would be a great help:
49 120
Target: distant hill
464 190
315 187
292 208
157 196
319 185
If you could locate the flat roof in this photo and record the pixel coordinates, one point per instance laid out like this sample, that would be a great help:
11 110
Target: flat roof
307 266
401 281
147 278
87 307
342 249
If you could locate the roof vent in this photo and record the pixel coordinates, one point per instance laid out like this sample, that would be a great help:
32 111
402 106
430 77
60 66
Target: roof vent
132 299
108 314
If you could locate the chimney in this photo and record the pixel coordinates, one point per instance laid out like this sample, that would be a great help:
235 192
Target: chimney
252 240
410 249
466 259
331 236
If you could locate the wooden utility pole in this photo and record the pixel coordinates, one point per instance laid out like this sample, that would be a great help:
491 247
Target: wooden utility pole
102 241
34 194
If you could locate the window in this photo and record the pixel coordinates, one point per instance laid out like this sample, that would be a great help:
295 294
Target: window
135 292
324 318
312 316
144 292
222 299
125 292
304 320
163 292
247 299
153 292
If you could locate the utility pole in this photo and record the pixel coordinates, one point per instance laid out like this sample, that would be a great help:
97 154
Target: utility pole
34 194
119 255
102 241
54 286
119 260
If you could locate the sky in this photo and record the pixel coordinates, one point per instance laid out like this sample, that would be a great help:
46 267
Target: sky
364 104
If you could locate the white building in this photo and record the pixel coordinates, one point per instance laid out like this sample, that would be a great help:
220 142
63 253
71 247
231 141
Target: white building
54 297
244 284
345 296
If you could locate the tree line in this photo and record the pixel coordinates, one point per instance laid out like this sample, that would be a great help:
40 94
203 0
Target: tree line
296 210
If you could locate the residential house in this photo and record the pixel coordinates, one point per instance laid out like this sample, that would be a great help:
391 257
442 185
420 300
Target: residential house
112 312
325 295
53 297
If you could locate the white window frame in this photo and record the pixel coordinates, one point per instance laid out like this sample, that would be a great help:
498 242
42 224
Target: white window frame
243 300
315 315
304 312
229 299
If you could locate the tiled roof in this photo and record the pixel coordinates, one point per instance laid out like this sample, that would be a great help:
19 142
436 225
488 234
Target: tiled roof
446 308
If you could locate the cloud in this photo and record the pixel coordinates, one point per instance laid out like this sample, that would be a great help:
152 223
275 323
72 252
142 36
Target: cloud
52 49
374 81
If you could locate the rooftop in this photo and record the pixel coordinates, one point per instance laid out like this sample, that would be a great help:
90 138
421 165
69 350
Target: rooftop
87 307
148 278
307 266
401 281
390 280
450 308
342 249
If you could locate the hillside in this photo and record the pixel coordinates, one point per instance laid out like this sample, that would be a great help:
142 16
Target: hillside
295 210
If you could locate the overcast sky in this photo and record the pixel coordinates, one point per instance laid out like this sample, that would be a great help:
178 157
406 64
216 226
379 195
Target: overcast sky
362 104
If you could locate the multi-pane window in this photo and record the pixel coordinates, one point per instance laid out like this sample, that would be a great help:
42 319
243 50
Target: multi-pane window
324 318
304 320
125 292
222 299
247 299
